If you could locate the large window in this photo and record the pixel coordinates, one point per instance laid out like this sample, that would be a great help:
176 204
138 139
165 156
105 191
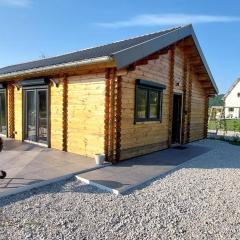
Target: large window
148 101
3 120
35 110
36 114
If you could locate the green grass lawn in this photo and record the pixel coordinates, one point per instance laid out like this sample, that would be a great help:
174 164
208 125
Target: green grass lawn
231 125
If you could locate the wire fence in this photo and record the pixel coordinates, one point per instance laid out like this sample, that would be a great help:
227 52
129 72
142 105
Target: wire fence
224 121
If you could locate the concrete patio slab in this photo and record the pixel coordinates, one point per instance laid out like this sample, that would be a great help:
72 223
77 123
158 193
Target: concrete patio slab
128 174
29 166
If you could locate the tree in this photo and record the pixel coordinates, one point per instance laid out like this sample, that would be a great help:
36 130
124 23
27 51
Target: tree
216 101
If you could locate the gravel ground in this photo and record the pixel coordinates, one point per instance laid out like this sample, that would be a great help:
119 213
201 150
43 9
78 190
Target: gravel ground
199 201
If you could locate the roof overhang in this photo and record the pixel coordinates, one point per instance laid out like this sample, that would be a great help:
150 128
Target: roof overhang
104 61
130 55
124 58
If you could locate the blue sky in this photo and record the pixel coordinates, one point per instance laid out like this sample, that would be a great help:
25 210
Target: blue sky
30 29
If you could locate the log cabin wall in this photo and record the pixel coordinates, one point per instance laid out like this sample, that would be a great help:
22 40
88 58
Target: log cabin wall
178 71
86 112
82 128
189 76
18 117
178 87
92 102
198 103
56 115
84 133
10 110
145 137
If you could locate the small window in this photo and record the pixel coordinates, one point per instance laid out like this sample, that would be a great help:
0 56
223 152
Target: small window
142 103
153 104
231 109
238 94
148 103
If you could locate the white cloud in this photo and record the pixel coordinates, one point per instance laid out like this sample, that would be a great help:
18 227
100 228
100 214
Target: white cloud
16 3
168 19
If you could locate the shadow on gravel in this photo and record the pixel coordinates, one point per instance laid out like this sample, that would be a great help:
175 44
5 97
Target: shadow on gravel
212 159
124 175
55 188
110 184
167 157
192 157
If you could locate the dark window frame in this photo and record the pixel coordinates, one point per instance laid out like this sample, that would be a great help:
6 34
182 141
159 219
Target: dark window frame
149 87
24 111
4 90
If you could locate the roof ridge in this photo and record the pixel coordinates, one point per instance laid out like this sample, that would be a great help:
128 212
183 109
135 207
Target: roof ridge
231 87
143 35
167 30
98 46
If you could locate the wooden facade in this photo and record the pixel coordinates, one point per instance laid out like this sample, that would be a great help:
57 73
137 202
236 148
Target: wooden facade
92 110
144 137
76 113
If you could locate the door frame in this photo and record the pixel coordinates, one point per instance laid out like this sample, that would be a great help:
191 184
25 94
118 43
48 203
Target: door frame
180 125
24 114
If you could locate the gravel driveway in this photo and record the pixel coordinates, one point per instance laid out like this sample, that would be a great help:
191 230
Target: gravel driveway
199 201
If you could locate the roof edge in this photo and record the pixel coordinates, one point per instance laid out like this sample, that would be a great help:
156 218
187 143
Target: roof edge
58 66
204 59
130 55
231 87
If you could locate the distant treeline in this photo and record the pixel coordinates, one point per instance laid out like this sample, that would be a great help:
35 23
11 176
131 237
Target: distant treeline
216 101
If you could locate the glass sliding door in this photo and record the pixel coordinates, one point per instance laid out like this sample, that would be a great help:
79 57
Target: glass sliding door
42 115
36 115
3 113
31 112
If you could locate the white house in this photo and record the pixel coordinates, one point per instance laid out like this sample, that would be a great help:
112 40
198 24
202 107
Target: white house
232 101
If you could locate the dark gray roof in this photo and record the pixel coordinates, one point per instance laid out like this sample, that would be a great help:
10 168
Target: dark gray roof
123 52
100 51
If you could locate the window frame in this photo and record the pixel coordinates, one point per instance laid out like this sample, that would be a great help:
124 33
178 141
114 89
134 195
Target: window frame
35 88
149 87
3 89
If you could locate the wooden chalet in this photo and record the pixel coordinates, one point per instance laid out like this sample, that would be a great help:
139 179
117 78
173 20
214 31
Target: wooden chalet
123 99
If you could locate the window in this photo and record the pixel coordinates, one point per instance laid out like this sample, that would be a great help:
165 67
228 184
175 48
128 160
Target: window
148 101
142 95
36 114
3 109
238 94
230 109
153 104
